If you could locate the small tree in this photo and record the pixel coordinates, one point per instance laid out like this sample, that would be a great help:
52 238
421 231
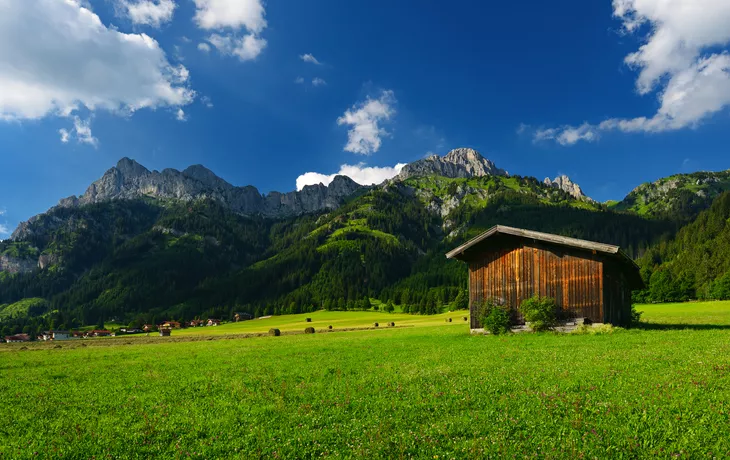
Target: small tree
494 318
462 300
389 307
540 312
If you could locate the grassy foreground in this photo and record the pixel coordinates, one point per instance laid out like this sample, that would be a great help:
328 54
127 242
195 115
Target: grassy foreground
427 392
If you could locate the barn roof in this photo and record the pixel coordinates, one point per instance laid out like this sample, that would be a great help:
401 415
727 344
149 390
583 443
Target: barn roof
609 249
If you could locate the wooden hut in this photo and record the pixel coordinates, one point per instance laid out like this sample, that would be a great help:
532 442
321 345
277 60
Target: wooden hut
587 279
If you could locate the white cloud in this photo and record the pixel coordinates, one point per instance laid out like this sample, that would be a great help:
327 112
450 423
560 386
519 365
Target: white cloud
78 62
4 230
318 82
230 17
204 47
363 175
566 135
2 211
246 48
81 131
232 14
309 58
682 60
364 120
82 128
180 115
149 12
207 102
299 80
65 135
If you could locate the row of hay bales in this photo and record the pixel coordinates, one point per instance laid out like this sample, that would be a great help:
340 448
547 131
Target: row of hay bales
310 330
448 320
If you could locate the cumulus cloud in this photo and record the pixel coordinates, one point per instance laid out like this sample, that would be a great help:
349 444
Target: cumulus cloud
81 131
309 58
204 47
149 12
65 135
180 115
682 60
231 18
4 230
246 48
363 175
318 82
365 119
82 128
77 62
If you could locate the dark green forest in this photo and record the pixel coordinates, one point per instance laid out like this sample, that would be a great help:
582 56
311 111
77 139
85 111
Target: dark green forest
144 261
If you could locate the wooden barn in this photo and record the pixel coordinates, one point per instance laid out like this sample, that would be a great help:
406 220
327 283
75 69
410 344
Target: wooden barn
587 279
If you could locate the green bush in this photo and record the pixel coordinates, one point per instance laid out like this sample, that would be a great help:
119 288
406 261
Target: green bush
495 318
540 312
498 321
635 316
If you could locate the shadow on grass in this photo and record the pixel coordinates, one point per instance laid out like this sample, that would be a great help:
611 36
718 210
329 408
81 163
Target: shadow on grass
677 327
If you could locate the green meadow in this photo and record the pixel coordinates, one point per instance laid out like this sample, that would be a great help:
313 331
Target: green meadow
429 390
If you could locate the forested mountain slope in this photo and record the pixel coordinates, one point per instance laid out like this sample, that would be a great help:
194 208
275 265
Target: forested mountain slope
696 263
143 255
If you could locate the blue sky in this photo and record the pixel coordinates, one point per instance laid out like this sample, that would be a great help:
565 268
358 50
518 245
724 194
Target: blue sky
612 93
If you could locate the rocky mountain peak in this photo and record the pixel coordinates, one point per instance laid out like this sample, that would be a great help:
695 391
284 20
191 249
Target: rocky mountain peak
565 184
205 176
458 163
130 168
130 180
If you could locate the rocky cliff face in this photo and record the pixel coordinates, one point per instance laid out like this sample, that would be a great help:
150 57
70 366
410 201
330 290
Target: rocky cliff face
15 265
564 183
458 163
128 179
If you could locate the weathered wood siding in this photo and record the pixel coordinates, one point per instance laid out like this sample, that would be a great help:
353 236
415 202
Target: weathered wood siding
513 272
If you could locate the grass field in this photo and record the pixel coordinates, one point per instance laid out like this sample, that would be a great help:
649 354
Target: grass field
428 391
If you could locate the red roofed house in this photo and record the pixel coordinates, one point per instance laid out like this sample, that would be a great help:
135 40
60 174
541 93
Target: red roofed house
17 338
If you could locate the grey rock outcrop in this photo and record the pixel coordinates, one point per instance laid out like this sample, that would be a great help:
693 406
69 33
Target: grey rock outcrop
564 183
458 163
15 265
128 180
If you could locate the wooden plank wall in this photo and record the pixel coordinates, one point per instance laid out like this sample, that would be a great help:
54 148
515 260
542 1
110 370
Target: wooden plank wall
512 274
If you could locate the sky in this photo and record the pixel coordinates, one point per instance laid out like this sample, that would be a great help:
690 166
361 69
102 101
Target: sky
283 93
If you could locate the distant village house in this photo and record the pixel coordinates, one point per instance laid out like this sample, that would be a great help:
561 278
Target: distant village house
214 322
54 335
17 338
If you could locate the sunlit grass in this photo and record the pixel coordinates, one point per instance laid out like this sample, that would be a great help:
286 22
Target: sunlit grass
428 391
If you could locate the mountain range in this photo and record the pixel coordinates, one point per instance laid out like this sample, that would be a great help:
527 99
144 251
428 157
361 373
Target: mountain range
143 245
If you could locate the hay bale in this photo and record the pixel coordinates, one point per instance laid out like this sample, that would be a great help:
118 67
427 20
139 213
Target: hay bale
309 320
329 327
391 324
309 330
84 345
274 332
466 319
448 320
376 324
58 346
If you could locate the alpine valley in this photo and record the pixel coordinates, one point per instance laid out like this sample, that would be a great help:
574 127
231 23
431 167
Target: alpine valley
141 246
